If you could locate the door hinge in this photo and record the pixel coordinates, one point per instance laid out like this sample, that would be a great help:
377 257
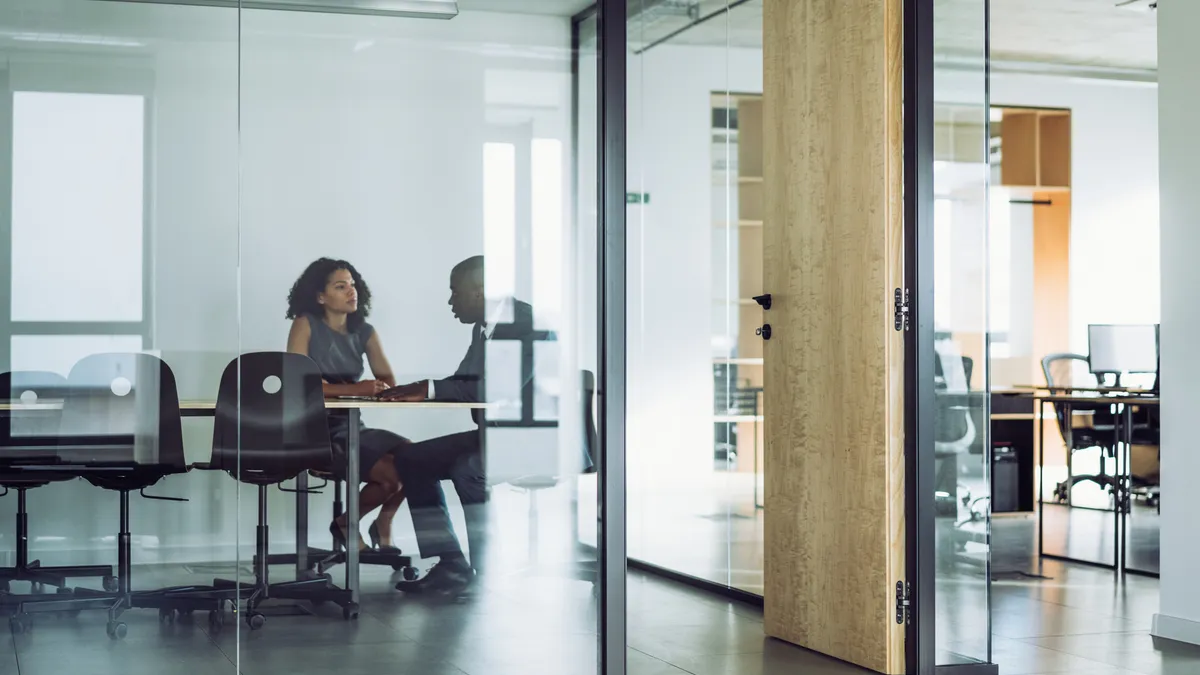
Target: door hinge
903 603
902 309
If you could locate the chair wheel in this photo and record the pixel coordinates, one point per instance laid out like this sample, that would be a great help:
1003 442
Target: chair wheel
409 573
20 623
117 630
350 612
111 585
255 620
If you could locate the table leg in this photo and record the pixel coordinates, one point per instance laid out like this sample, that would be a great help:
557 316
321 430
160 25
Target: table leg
1118 437
1126 468
302 525
352 515
1040 406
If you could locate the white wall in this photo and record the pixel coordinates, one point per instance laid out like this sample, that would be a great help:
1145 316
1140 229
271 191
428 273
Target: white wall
1114 193
1179 616
671 276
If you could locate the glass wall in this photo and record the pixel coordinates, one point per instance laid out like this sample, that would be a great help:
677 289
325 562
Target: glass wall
960 243
228 231
695 204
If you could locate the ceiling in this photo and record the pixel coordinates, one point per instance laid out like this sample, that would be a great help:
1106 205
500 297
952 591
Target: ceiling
1080 33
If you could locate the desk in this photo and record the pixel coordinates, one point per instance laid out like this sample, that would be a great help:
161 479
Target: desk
207 408
1122 439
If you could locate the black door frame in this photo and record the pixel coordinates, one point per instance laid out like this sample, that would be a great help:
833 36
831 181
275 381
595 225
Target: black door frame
919 395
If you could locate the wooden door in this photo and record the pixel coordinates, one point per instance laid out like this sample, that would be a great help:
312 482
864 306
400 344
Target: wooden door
834 459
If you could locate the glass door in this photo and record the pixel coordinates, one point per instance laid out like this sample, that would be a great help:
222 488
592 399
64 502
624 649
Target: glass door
947 174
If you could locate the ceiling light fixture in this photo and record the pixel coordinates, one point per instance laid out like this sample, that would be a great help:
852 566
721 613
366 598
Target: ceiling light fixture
419 9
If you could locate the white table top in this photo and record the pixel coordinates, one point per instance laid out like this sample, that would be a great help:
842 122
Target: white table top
330 404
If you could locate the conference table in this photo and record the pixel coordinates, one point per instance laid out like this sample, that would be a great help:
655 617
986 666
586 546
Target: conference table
353 407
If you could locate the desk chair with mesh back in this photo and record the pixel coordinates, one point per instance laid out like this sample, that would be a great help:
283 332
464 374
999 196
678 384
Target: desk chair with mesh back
270 425
28 452
955 433
580 570
1066 370
121 431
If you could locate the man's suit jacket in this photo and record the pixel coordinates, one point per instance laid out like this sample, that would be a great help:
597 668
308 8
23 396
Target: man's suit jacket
468 382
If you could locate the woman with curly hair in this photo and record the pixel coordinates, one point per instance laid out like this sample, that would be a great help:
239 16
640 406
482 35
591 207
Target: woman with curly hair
328 306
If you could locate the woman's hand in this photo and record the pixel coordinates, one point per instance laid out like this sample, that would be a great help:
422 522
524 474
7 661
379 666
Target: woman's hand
369 387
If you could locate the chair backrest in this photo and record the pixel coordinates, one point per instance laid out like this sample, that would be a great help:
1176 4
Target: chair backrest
1067 370
30 429
1072 370
590 436
270 422
122 408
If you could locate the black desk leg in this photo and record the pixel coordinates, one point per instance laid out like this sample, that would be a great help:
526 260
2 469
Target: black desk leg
1118 540
352 515
302 525
1126 484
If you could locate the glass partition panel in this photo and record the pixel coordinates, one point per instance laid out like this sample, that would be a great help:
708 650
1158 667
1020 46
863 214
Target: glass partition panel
119 219
695 220
962 445
405 196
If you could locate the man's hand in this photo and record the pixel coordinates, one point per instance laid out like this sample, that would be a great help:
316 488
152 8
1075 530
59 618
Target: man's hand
417 391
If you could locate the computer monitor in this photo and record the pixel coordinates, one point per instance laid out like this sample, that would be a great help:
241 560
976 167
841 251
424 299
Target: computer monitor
1123 348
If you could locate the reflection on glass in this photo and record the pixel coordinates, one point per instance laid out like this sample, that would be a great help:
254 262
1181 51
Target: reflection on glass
177 169
962 443
695 218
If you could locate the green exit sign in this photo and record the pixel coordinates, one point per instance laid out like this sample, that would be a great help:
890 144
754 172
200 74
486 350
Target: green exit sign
637 197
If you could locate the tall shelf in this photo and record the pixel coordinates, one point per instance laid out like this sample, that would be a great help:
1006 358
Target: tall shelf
738 368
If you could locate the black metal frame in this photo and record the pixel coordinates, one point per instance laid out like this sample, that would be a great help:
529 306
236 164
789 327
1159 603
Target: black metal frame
919 478
611 358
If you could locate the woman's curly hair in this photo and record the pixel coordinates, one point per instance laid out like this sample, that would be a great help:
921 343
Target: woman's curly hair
302 299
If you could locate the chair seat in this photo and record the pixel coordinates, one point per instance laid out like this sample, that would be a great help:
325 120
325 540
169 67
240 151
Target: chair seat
534 482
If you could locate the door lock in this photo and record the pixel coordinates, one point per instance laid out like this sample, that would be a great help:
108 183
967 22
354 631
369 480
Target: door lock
765 331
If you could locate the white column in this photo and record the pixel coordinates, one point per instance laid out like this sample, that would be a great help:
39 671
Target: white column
1179 146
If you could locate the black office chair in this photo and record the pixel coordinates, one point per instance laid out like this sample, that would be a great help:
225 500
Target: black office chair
955 433
28 451
580 570
270 425
1066 370
121 431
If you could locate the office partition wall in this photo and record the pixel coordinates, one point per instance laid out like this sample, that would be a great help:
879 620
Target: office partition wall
388 196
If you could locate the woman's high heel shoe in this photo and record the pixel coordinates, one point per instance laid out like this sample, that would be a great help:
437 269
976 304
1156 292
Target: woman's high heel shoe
373 533
339 537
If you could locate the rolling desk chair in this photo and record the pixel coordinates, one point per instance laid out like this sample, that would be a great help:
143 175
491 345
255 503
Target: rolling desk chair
955 434
580 570
1062 370
28 442
270 425
121 431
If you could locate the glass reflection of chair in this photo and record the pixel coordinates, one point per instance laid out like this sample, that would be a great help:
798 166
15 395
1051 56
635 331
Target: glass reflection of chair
121 431
579 570
270 426
28 451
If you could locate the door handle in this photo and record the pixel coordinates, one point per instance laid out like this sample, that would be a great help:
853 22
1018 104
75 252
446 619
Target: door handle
765 331
764 300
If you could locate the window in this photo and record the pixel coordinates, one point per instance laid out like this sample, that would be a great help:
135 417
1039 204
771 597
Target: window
77 270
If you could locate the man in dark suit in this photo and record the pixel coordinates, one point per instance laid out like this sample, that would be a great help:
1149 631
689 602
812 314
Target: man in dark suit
458 458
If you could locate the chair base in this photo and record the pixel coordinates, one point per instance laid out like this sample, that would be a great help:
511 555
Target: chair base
34 573
322 560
